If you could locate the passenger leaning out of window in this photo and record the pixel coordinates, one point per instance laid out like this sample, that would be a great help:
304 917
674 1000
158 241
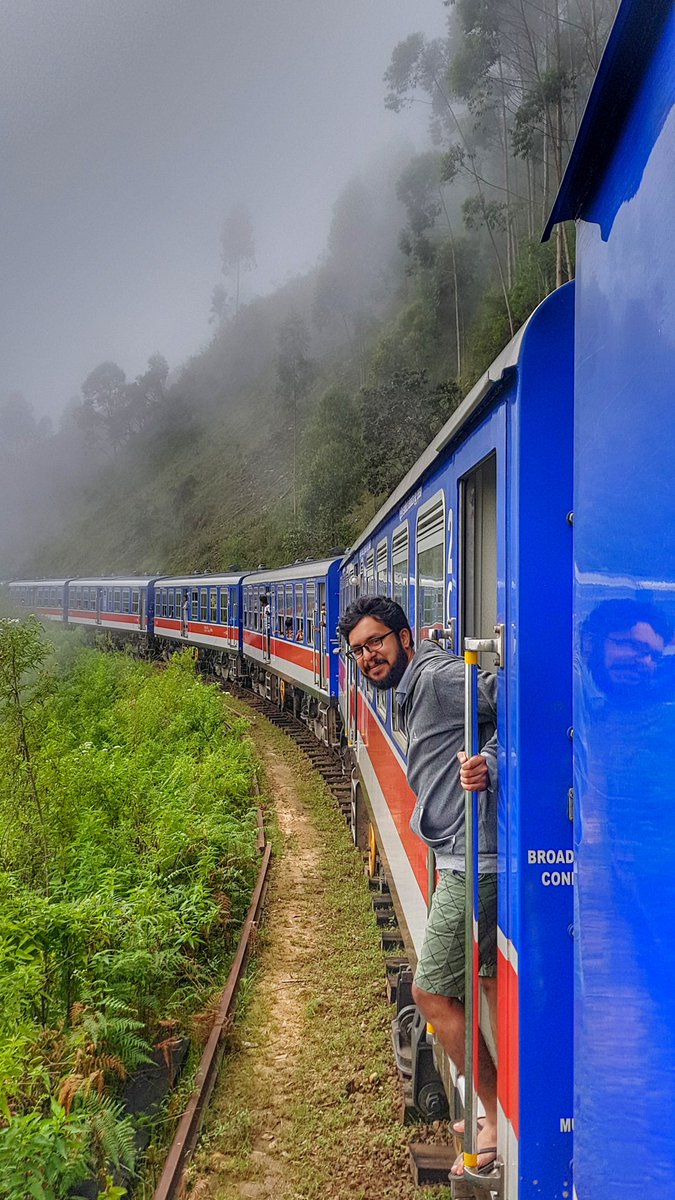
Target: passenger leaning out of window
429 687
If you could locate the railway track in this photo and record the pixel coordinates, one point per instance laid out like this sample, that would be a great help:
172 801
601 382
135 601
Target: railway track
323 759
329 765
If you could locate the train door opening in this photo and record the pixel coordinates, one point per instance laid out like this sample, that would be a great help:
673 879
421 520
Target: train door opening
478 599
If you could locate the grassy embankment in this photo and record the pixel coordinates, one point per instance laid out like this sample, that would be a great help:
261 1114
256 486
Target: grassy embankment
127 856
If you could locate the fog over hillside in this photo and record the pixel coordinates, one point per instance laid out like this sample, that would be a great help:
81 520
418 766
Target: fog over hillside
129 131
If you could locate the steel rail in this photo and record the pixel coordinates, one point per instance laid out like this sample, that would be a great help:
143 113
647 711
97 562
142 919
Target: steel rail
170 1186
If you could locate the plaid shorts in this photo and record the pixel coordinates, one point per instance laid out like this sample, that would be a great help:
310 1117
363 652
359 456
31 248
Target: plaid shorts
440 969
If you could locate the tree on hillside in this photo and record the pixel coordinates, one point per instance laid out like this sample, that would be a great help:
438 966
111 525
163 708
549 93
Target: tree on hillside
419 188
506 89
237 246
221 306
146 393
399 418
332 474
103 415
293 376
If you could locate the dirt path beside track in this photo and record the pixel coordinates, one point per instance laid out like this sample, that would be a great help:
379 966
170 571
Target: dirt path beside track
308 1103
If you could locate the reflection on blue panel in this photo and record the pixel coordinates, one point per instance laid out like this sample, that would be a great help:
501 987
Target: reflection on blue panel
624 1141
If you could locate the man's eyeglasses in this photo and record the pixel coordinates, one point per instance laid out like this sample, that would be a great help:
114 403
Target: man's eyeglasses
373 644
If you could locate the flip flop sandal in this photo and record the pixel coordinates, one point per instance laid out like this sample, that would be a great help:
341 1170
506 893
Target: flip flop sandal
486 1169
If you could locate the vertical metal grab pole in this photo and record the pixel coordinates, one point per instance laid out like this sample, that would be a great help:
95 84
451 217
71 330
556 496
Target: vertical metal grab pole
431 876
471 1008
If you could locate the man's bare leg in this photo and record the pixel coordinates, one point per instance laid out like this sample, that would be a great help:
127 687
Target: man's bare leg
446 1014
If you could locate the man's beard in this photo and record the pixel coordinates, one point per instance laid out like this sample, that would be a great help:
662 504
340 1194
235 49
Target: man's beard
396 672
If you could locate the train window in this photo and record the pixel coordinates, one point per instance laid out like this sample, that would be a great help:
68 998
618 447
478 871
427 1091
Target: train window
370 573
382 577
59 598
430 565
311 607
400 566
224 597
279 593
203 603
234 607
288 617
194 608
213 606
169 603
245 594
478 573
400 569
299 613
116 600
126 600
135 601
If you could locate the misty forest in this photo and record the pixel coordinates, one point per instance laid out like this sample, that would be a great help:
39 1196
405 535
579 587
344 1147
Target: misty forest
280 438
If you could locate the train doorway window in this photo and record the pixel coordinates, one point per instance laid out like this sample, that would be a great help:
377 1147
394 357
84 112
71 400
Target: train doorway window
299 613
213 606
311 610
430 566
288 619
478 568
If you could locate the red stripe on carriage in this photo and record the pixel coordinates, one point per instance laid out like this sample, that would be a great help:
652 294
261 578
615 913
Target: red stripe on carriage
206 628
508 1027
291 652
122 618
399 797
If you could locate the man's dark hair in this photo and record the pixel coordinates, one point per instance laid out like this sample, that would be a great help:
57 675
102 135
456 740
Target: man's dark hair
616 616
380 607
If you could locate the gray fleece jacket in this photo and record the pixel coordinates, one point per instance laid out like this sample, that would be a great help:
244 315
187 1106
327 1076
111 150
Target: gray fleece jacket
431 698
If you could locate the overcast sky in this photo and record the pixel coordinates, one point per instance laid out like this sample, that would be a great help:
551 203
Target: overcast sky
127 130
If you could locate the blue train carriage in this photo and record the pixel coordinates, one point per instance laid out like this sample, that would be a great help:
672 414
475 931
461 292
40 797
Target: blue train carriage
47 598
119 606
202 611
620 188
289 634
477 537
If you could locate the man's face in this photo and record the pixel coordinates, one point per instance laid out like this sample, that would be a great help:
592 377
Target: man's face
632 656
382 665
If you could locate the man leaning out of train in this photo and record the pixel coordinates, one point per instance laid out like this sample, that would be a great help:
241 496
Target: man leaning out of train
429 687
